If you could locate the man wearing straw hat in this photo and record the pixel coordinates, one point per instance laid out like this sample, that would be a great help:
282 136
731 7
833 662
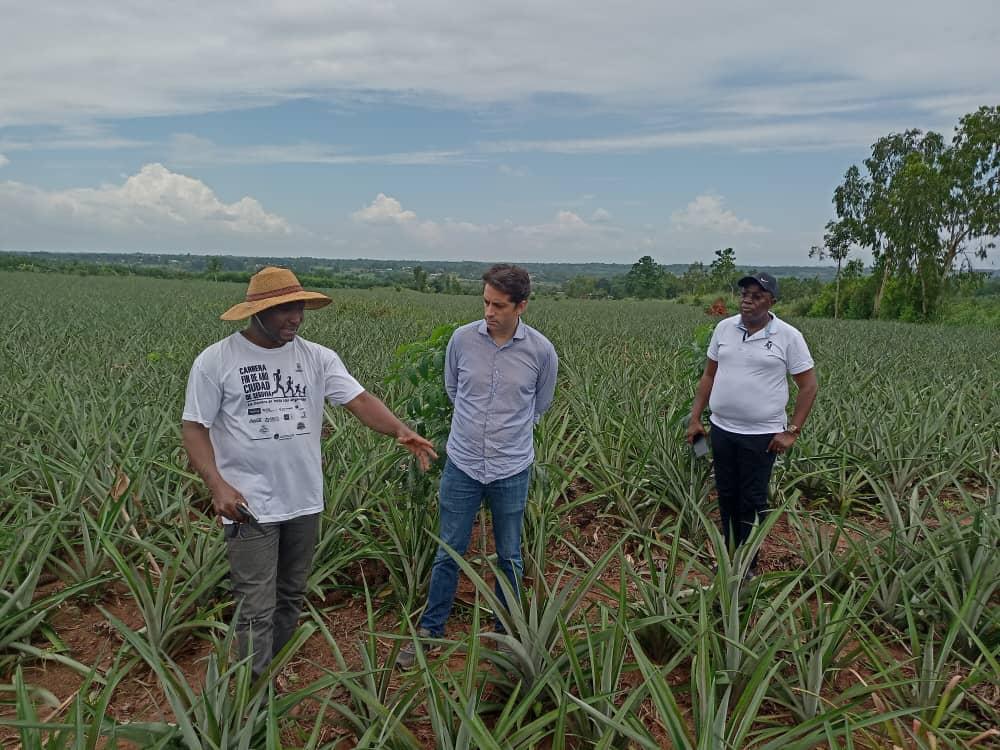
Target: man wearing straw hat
251 427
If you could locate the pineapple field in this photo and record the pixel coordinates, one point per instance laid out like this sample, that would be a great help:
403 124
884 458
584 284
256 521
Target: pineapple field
875 622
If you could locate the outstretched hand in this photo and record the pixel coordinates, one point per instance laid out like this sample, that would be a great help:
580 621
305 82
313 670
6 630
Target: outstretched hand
420 447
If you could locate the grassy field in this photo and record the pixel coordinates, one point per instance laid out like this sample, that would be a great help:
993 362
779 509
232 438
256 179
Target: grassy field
876 622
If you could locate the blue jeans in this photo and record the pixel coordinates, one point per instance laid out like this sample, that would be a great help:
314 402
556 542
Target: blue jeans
461 497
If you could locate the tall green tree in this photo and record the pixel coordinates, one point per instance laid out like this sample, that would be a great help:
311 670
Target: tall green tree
836 246
922 205
580 287
645 278
695 280
972 166
419 279
722 270
213 266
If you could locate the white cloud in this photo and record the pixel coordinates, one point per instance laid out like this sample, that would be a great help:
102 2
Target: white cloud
158 210
577 202
384 210
565 224
565 237
569 229
708 213
192 150
152 209
162 195
191 56
4 161
509 171
71 139
389 230
815 134
570 220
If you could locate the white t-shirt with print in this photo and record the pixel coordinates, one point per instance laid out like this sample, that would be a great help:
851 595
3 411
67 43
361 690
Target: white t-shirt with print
264 411
750 391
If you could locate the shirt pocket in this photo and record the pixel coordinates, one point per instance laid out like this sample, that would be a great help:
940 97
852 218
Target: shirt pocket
773 360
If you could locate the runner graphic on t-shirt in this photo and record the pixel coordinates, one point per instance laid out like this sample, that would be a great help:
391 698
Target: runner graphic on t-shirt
290 389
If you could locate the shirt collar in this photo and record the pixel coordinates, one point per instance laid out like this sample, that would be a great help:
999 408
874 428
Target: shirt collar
768 329
519 333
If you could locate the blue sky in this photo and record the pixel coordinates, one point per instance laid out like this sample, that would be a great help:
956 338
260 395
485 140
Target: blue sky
563 131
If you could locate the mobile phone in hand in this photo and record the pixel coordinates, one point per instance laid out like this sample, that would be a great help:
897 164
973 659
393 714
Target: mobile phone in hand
249 517
699 446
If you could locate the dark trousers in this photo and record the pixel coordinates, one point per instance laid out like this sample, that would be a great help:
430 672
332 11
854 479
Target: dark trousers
742 466
269 568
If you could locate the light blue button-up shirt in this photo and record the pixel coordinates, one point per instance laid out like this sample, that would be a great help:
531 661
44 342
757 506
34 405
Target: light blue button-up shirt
499 393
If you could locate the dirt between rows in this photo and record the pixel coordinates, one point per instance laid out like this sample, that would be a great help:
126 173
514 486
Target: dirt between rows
92 640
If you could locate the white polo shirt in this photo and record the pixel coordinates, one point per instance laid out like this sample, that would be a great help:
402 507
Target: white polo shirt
750 391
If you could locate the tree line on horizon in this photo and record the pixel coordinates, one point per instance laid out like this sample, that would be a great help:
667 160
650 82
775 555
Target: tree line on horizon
974 295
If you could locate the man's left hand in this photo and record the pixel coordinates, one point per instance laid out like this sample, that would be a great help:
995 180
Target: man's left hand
781 442
420 447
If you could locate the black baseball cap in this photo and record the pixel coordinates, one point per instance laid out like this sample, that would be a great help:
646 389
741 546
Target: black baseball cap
767 282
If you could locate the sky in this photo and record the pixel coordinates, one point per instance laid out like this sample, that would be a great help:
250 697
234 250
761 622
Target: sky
496 131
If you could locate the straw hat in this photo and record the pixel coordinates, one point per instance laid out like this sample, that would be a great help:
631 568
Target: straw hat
272 286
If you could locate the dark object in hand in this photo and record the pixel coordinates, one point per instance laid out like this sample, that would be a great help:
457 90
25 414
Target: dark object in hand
700 446
249 517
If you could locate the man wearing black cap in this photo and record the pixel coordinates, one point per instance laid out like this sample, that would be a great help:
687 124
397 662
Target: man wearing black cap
745 384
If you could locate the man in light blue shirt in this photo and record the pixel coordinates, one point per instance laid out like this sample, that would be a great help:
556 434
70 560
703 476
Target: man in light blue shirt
500 373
